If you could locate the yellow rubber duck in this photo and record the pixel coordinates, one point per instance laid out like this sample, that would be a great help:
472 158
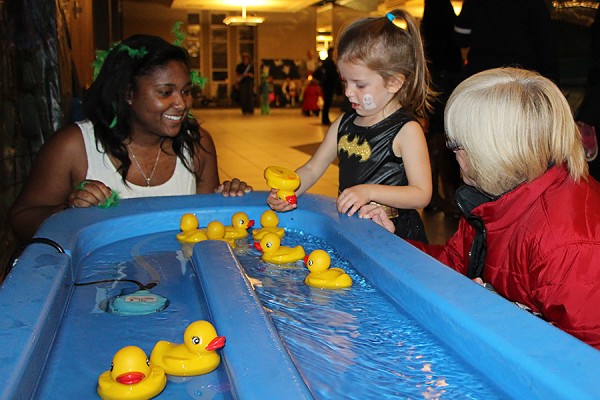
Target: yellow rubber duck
274 253
189 230
131 377
195 356
268 222
285 181
240 223
215 230
321 276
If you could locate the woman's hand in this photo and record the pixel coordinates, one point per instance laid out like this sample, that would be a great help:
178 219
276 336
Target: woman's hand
88 193
278 204
233 188
378 215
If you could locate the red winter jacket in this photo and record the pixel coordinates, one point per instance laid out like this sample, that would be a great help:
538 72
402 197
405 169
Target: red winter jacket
543 250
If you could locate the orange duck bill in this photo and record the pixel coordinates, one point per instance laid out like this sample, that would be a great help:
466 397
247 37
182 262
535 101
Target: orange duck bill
291 199
130 378
216 343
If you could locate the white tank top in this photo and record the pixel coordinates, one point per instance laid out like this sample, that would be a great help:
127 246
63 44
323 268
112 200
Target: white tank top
100 168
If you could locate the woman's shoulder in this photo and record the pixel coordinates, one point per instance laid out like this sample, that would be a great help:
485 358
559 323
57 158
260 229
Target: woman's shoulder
203 147
64 149
67 138
206 138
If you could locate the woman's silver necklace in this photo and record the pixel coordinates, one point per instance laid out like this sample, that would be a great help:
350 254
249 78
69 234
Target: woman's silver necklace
146 178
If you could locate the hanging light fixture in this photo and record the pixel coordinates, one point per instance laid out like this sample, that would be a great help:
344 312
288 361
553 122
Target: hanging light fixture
243 19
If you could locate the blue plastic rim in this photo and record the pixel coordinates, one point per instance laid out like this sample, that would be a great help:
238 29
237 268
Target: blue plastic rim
518 351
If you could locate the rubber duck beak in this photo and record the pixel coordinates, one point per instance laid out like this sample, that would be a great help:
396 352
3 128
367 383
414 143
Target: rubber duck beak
257 246
305 260
250 223
130 378
216 343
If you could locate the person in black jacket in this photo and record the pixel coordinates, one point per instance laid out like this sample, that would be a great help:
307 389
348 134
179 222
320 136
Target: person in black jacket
588 114
244 72
329 79
445 62
501 33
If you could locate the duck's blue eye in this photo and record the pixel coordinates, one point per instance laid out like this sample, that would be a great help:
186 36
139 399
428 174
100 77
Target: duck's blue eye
195 339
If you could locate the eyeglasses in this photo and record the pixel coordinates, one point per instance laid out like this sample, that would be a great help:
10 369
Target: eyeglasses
453 146
398 21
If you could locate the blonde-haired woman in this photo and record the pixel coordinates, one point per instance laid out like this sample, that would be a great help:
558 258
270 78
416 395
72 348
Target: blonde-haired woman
531 225
512 125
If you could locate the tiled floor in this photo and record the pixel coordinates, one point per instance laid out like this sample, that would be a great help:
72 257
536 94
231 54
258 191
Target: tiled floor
248 144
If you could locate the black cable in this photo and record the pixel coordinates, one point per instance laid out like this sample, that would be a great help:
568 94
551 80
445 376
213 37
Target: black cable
15 257
141 285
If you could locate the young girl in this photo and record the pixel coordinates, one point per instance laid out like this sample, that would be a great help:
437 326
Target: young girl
383 157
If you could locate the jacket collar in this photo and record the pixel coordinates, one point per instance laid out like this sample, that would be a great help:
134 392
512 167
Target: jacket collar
483 212
506 207
469 197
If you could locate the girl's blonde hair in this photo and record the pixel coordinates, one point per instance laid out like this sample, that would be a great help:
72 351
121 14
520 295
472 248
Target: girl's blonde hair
513 124
388 48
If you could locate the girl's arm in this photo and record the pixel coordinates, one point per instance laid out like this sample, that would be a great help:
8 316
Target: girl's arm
54 183
409 144
316 166
312 170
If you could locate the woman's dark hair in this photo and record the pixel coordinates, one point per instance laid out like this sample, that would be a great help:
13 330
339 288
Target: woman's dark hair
105 102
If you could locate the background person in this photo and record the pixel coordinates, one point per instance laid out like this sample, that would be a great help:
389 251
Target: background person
266 89
588 113
245 84
502 33
445 62
139 141
311 97
328 76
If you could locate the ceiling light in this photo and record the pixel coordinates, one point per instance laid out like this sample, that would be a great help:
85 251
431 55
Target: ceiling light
243 19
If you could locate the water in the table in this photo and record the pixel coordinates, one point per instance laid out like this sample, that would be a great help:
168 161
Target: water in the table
355 342
348 343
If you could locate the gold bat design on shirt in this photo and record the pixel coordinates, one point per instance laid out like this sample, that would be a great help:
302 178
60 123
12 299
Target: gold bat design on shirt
352 147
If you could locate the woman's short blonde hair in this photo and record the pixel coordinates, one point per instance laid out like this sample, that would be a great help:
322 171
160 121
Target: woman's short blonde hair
513 124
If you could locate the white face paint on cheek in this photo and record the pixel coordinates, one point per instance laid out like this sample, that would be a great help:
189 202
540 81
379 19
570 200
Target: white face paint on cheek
368 102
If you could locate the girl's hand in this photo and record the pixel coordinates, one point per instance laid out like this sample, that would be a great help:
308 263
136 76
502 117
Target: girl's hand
88 193
378 215
233 188
352 199
278 204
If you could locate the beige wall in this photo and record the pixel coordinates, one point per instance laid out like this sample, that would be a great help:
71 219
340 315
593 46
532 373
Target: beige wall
152 19
342 17
282 35
287 35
